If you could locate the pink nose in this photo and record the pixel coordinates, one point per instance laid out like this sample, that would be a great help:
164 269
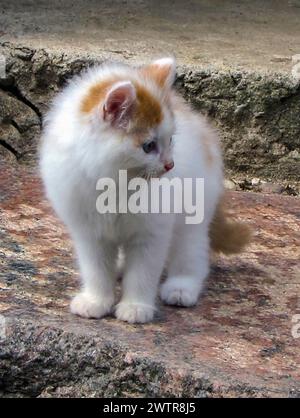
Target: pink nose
169 166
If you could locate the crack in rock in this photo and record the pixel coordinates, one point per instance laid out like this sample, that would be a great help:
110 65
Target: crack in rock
11 149
15 91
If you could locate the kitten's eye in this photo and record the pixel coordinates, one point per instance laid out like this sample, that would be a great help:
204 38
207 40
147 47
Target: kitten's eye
171 140
149 146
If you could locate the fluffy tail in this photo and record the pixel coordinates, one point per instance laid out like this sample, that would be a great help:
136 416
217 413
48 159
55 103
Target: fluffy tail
227 236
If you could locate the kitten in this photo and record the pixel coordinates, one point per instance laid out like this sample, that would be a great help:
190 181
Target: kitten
115 117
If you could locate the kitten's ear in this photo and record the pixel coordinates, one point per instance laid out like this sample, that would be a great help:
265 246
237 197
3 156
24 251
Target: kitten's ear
163 71
119 103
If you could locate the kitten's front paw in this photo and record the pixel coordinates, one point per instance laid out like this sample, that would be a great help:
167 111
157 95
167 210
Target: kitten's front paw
88 306
179 291
134 312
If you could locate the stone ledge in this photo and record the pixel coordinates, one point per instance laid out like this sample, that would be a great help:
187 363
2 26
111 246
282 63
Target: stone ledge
237 342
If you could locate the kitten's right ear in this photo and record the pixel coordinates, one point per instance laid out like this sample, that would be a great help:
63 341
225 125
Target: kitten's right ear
119 103
162 71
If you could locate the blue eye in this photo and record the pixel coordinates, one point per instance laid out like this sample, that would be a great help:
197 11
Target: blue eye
149 146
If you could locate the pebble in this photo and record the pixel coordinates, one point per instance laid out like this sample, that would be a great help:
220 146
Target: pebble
255 181
271 188
230 185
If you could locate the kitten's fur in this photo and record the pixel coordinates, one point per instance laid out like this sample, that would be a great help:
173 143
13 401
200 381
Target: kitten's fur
96 127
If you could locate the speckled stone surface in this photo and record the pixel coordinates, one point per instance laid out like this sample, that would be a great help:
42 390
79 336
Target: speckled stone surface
237 342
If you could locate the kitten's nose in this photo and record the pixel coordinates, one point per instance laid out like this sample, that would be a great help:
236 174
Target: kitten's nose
169 166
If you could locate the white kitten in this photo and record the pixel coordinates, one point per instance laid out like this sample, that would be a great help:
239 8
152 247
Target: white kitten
116 117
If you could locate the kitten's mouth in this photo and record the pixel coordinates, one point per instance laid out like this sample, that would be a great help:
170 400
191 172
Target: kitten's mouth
147 175
141 174
154 174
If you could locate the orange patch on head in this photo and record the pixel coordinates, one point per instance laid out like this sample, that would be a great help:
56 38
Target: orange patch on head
148 112
96 94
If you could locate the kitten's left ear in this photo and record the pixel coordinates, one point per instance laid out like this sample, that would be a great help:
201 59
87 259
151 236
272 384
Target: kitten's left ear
119 103
163 71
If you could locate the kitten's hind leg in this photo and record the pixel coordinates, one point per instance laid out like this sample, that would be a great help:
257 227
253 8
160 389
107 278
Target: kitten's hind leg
188 266
97 267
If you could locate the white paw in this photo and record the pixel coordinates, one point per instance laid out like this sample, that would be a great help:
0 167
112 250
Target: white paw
134 312
180 291
88 306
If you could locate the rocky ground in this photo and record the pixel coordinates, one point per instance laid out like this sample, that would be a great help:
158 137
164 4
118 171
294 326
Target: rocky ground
239 341
236 64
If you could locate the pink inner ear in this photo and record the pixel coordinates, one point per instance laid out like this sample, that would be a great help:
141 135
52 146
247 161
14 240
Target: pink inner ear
118 105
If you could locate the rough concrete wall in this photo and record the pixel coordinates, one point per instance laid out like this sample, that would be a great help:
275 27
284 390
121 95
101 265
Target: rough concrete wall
258 116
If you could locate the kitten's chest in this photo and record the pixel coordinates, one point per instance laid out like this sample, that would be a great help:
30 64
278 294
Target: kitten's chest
111 219
119 228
